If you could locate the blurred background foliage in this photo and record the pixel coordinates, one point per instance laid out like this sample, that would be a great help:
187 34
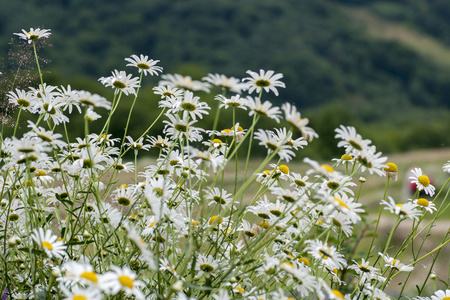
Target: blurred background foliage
383 66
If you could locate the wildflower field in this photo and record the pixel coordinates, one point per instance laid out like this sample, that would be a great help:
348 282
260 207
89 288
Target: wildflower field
87 217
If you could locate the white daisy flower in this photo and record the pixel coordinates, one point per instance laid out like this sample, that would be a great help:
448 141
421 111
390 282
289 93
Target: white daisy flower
122 279
422 182
395 264
168 92
190 105
446 167
264 109
144 64
78 293
235 101
79 272
94 100
183 82
425 204
351 140
326 255
293 117
205 264
365 271
120 81
228 83
26 100
371 161
407 210
49 243
33 34
264 80
441 295
274 142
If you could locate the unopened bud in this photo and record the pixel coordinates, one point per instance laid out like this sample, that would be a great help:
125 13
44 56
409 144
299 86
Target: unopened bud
177 286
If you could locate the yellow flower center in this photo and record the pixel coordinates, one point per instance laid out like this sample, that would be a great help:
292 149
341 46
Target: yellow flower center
337 294
423 202
47 245
391 167
241 290
284 169
217 141
346 157
264 224
79 297
287 264
327 168
304 260
424 180
213 220
446 298
40 173
341 203
126 281
91 276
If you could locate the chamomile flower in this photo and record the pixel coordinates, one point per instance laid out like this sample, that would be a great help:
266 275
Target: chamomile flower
120 81
235 101
122 279
391 170
425 204
46 136
168 92
351 140
218 196
263 109
49 243
446 167
144 64
441 295
182 128
269 81
372 161
395 264
274 142
26 100
33 34
79 272
190 105
92 100
78 293
249 229
324 169
137 145
228 83
405 210
91 115
422 182
293 117
183 82
205 264
125 196
325 254
160 142
365 271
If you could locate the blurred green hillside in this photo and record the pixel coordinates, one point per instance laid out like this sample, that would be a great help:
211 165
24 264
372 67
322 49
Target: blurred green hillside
384 64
